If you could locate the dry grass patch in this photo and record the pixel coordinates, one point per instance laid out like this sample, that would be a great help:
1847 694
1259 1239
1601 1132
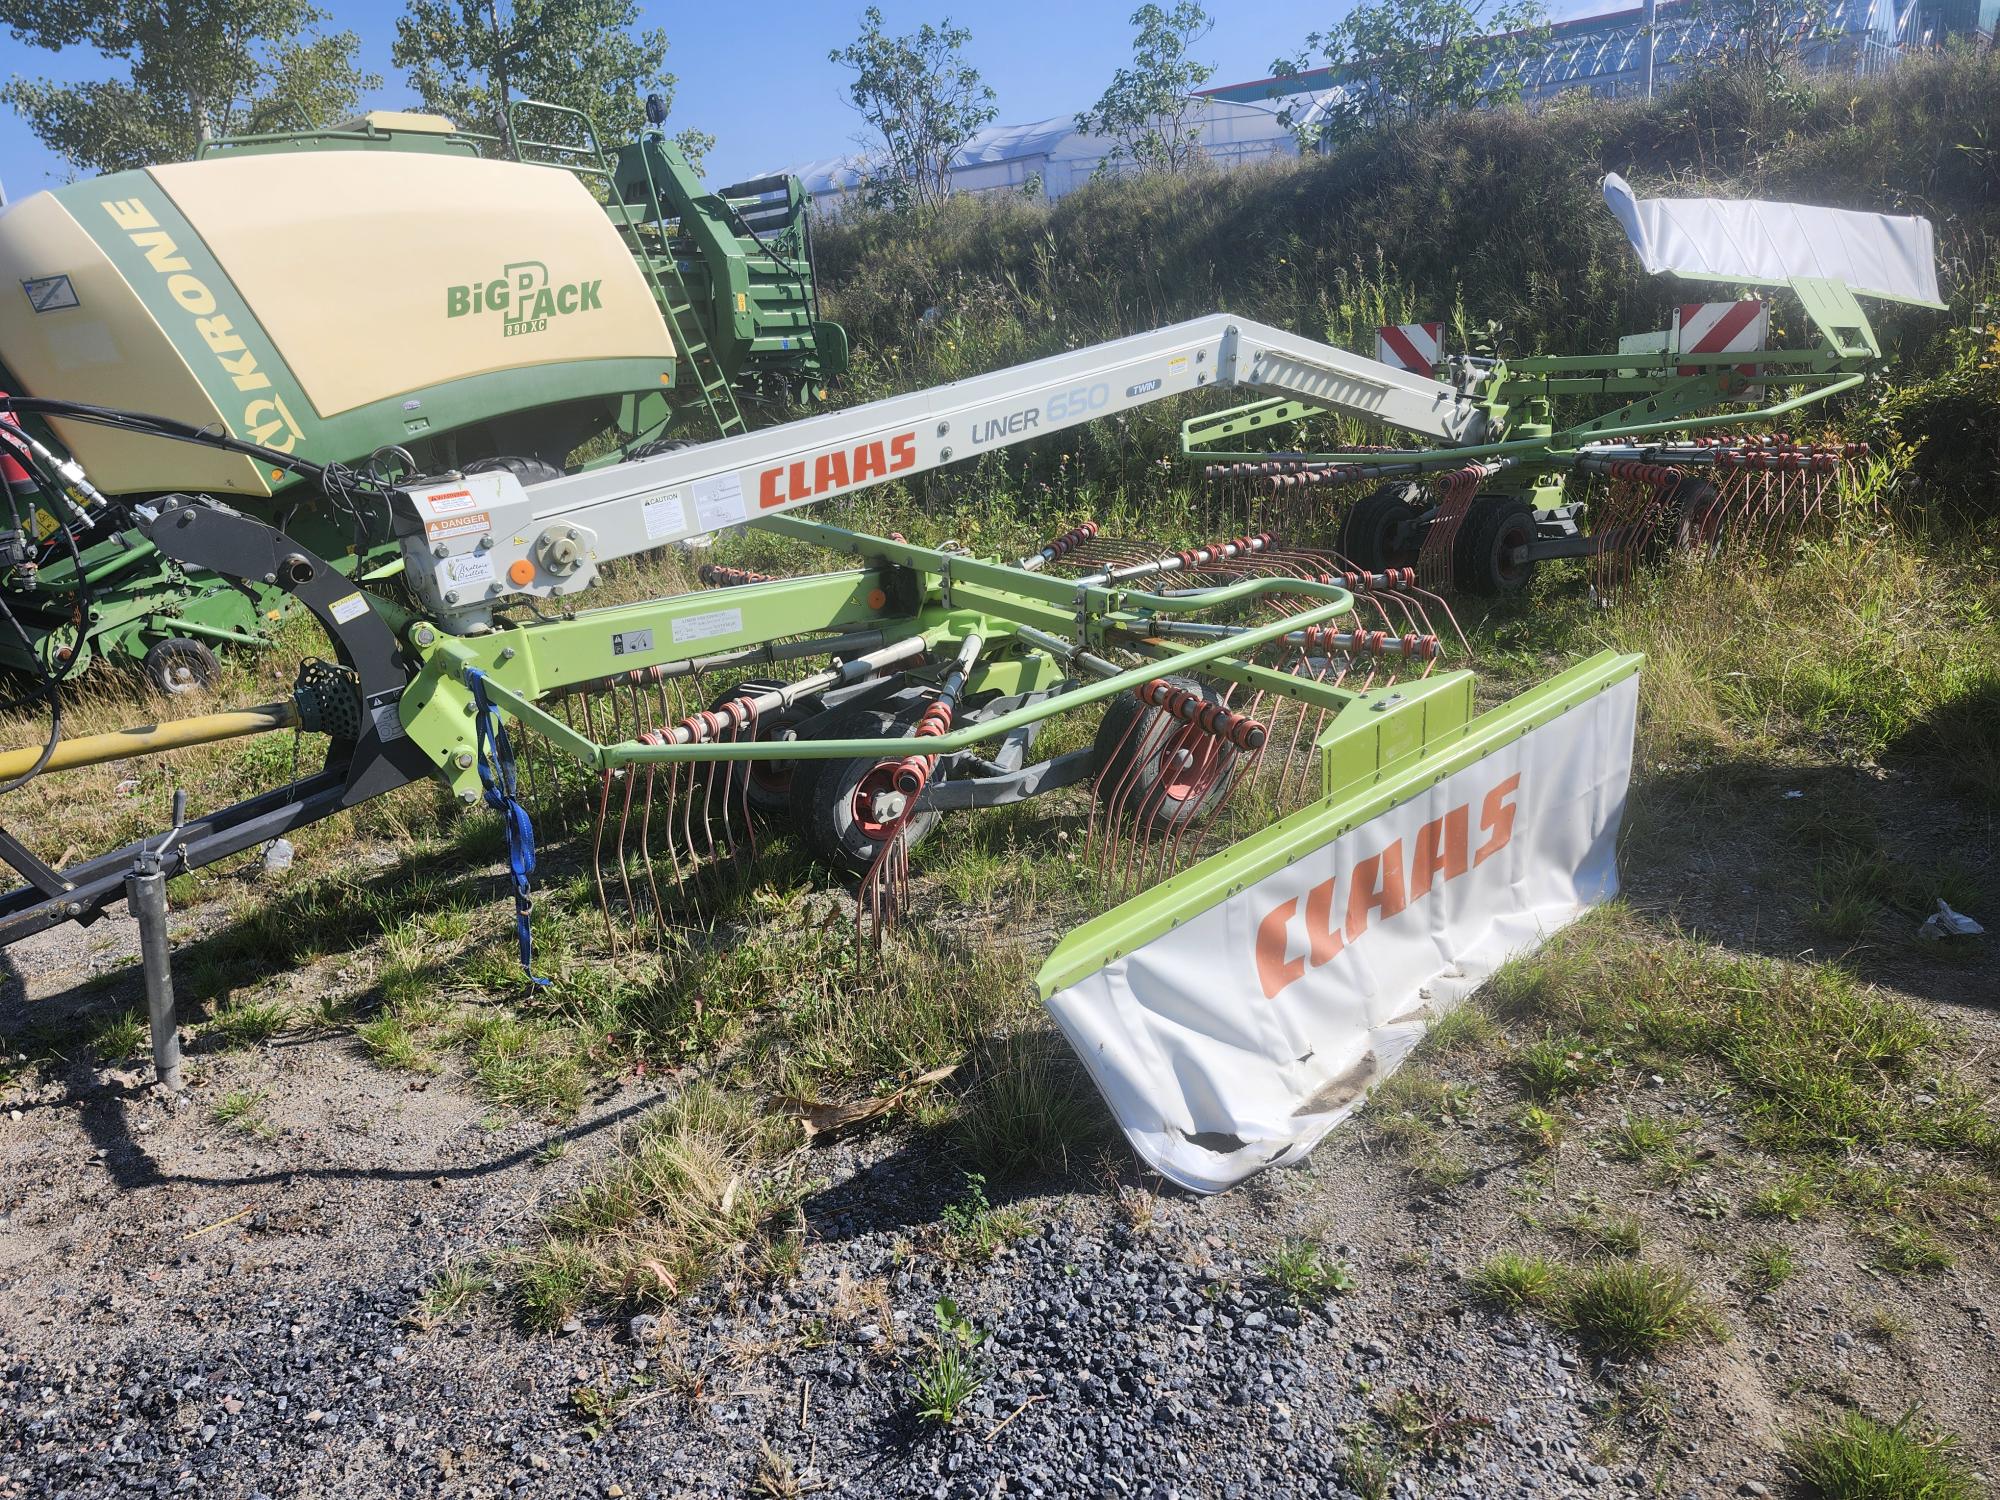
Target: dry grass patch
701 1183
1820 1063
1032 1110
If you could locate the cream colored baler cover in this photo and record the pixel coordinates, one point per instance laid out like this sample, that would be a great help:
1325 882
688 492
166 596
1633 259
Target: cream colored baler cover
104 347
376 272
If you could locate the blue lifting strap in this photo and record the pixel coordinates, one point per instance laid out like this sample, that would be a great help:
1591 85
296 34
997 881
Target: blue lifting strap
496 775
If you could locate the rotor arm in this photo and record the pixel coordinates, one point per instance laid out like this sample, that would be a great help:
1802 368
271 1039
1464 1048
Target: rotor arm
474 542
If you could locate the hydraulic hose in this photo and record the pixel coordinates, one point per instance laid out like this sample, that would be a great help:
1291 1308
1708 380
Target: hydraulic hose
151 739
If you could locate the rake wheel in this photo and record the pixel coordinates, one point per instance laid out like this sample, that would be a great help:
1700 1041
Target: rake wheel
770 788
1494 526
1380 530
1160 773
834 803
1700 514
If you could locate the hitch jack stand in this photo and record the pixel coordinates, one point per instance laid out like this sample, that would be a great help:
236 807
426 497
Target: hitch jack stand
146 897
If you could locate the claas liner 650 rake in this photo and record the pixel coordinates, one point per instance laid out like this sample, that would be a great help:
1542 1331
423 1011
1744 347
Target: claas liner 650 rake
1234 1001
1542 481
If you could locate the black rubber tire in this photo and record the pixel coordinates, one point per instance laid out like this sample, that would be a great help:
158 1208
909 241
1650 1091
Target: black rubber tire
527 470
1492 527
1122 734
1697 517
822 794
178 666
770 789
663 445
1381 529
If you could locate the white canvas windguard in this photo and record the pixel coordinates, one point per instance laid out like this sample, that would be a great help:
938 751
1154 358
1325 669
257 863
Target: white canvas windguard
1237 1039
1758 243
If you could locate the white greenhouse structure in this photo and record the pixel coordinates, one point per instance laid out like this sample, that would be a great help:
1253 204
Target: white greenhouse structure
1240 124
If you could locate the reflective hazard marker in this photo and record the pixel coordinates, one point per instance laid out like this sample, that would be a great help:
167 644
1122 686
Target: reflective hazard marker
1720 328
1410 346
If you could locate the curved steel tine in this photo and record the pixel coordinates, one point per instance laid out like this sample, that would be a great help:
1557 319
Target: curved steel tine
1293 762
1116 829
1102 813
706 851
1120 838
1331 672
1236 779
660 920
624 822
597 858
1179 742
744 768
680 833
1213 761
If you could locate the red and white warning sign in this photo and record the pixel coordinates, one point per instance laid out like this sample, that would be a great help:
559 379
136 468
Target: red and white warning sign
1720 328
1410 346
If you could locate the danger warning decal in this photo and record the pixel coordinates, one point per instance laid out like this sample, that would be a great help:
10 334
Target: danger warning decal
471 521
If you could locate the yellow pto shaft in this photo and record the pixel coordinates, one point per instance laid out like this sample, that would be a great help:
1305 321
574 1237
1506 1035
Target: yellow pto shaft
151 739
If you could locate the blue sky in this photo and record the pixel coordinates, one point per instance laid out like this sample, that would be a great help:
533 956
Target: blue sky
756 75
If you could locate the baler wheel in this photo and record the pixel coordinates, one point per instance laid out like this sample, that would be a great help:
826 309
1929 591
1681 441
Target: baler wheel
1494 526
1381 530
177 666
832 799
527 470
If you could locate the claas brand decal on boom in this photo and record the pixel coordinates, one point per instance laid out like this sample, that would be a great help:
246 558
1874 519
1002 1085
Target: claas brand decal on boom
523 298
864 463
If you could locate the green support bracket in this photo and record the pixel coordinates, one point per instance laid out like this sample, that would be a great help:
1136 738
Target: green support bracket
1387 729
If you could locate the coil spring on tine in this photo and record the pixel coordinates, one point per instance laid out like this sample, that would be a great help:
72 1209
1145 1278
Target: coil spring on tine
1069 541
913 772
1214 719
1412 645
721 576
1398 579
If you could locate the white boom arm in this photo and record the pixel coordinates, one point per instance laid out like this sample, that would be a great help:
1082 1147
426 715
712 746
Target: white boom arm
473 542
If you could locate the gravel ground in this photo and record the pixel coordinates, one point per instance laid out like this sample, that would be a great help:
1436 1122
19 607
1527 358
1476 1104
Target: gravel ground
146 1351
193 1308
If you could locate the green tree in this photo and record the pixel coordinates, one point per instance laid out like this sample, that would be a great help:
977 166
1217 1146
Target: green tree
196 69
1412 59
468 61
922 99
1764 38
1146 107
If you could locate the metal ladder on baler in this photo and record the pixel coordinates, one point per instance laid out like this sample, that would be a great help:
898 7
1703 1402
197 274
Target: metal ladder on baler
662 272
